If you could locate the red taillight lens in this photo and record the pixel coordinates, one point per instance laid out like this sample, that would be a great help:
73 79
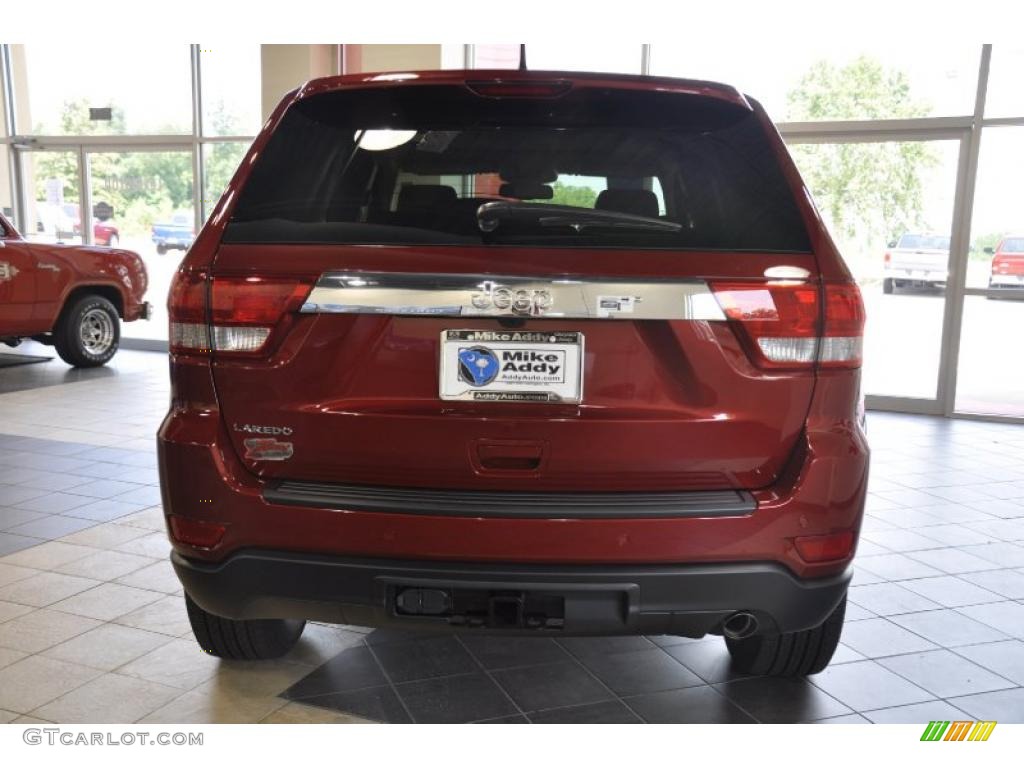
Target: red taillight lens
243 311
186 308
196 533
786 328
843 343
888 258
822 549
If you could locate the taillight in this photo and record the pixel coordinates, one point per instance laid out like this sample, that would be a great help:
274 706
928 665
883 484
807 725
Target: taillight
196 533
233 315
785 326
888 258
822 549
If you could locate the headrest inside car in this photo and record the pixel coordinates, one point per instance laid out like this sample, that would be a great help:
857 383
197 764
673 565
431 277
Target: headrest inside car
639 202
425 196
526 191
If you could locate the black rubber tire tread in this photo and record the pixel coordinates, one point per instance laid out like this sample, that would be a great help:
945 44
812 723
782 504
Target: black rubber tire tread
791 654
66 338
247 640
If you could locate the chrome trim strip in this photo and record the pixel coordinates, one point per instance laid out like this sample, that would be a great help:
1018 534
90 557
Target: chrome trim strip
524 504
455 295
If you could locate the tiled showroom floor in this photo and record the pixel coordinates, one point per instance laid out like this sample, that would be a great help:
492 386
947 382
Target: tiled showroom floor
93 628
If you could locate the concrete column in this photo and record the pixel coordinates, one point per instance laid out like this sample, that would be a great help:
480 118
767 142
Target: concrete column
285 67
391 58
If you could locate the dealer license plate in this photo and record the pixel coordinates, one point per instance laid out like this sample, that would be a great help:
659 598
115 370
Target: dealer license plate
512 366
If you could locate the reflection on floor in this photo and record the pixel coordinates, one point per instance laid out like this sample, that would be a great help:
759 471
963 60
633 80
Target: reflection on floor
93 627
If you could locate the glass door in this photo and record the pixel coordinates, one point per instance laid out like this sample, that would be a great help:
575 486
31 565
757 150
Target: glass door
889 207
143 201
52 196
990 366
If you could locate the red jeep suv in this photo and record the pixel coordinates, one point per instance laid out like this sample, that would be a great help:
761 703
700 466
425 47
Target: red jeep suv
523 352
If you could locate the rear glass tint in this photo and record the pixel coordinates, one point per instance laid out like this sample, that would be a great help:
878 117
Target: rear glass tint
593 168
925 242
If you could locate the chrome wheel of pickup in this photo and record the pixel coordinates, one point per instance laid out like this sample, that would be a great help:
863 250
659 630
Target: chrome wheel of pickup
88 331
96 331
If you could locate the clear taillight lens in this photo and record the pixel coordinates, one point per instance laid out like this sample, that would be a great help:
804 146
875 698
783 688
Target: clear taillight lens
787 326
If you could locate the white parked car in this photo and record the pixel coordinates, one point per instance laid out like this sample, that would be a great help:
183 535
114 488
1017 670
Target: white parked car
916 260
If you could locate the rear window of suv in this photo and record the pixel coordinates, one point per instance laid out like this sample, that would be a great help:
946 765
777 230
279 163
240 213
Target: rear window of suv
421 165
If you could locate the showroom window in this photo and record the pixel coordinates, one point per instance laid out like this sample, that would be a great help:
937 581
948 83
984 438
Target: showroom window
834 79
1005 95
93 89
230 76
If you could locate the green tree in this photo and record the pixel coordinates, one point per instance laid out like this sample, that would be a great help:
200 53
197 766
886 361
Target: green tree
567 194
142 187
870 193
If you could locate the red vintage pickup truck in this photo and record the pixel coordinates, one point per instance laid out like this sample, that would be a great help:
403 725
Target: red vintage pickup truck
70 296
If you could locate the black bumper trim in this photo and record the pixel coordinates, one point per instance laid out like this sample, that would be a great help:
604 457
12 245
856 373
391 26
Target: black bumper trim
425 501
690 600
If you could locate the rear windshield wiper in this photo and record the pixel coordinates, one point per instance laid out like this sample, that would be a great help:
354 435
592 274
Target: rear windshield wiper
490 215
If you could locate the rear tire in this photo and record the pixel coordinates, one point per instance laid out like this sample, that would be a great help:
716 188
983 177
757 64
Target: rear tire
887 285
791 654
161 249
246 640
88 332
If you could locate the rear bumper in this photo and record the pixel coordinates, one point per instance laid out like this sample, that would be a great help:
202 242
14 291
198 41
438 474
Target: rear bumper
690 600
916 275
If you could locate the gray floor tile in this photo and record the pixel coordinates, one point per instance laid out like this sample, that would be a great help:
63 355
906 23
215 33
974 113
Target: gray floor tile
951 591
458 699
896 566
917 714
1003 706
1007 617
609 712
888 598
853 719
380 704
353 668
1005 658
709 659
584 647
1002 554
54 503
105 489
548 686
948 628
782 700
1006 583
950 560
12 518
638 672
104 510
688 705
502 652
51 527
880 637
944 673
866 685
11 543
423 658
11 495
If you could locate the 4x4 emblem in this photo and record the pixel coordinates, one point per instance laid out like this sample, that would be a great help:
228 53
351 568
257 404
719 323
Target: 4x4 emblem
521 301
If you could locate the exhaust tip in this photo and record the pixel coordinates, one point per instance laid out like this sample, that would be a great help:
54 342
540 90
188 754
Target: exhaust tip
740 625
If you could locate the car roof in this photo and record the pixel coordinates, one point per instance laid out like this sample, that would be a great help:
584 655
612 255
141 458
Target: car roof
705 88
